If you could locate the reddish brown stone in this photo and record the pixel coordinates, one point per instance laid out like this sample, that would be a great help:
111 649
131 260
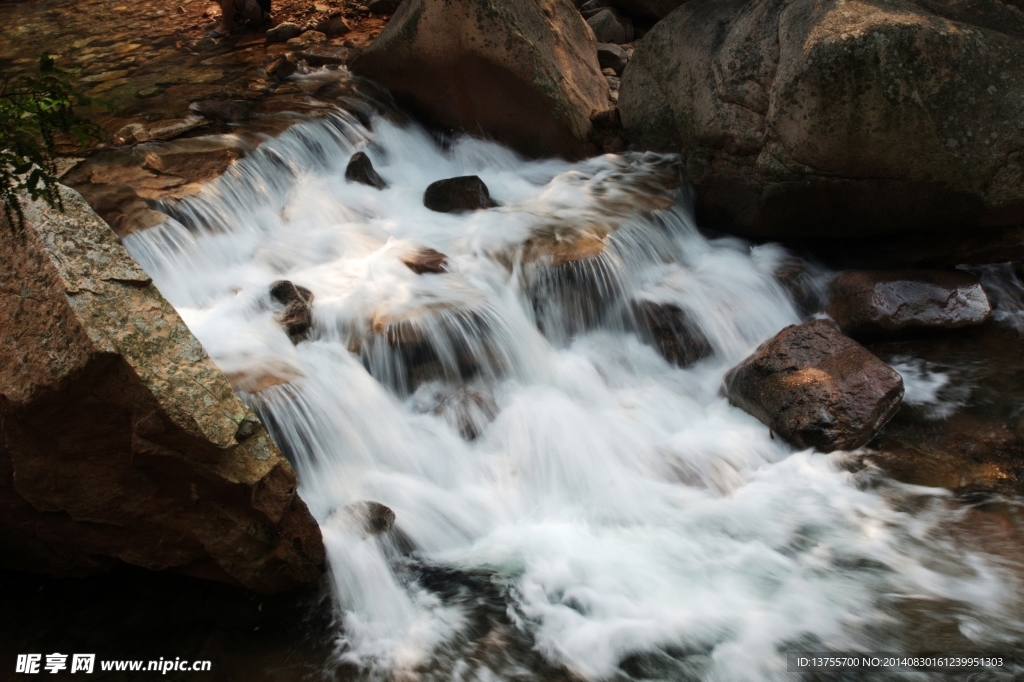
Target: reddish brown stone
816 388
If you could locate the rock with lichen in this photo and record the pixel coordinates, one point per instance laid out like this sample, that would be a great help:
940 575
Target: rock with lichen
121 440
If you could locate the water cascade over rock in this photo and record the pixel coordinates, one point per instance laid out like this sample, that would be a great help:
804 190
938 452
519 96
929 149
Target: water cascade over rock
568 503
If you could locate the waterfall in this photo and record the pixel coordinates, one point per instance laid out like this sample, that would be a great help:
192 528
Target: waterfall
567 501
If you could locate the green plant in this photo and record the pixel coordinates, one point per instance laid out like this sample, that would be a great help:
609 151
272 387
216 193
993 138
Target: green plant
33 111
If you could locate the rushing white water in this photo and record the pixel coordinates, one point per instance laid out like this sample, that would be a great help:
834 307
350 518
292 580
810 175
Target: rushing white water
614 517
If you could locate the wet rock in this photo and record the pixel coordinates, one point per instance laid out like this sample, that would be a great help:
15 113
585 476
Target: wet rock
611 27
160 130
280 68
458 195
371 518
806 284
121 440
334 26
195 165
360 169
307 38
466 409
818 119
282 33
672 332
611 56
224 111
380 7
325 55
889 302
298 308
426 261
524 73
816 388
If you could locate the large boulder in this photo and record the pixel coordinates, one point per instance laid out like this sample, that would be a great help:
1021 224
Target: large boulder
651 9
889 302
841 118
120 440
816 388
524 73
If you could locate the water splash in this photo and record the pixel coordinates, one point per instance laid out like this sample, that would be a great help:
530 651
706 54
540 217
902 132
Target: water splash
566 500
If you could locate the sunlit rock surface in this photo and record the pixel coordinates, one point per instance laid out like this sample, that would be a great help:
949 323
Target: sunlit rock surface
121 440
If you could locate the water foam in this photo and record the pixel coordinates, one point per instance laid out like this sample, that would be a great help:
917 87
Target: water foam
614 516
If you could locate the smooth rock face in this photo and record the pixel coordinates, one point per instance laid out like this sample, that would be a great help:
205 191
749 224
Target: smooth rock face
816 388
121 440
297 317
524 73
887 302
807 118
360 169
611 27
458 195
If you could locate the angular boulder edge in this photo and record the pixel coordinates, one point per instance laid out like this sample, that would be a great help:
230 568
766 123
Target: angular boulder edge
120 440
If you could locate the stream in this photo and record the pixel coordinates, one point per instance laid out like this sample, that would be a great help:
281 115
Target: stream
568 504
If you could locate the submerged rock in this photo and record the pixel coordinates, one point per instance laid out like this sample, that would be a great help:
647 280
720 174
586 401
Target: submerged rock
467 410
524 73
674 335
360 169
426 261
280 68
120 440
888 302
371 518
799 118
297 317
816 388
458 195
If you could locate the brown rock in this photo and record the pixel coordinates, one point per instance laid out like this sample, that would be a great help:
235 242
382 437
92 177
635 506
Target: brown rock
426 261
524 73
611 56
324 55
383 6
283 33
675 336
802 118
297 317
360 169
816 388
458 195
611 27
195 165
334 26
280 68
888 302
224 111
121 440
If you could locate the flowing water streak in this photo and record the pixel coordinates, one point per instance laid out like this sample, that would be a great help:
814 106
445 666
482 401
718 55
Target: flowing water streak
616 515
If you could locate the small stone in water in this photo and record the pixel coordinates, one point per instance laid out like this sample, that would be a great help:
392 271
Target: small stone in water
298 312
283 32
360 169
458 195
426 261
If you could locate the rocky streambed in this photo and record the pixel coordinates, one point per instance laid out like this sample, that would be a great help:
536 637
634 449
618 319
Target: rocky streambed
597 422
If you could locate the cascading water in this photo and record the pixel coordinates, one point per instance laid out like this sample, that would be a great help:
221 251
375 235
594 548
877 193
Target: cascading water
567 501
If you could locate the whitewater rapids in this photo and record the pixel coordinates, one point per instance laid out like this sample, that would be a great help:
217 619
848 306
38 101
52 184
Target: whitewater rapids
615 517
